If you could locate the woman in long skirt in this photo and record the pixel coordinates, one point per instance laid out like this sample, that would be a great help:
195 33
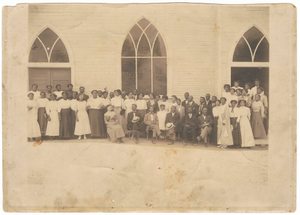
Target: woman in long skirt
33 130
73 115
82 126
224 129
53 117
65 117
234 123
114 129
42 116
247 139
215 111
117 103
257 118
96 118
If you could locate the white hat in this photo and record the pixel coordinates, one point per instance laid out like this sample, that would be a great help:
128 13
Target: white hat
169 126
135 119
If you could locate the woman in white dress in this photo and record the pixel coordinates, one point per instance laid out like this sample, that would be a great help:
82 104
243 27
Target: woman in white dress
33 130
166 103
247 139
162 118
42 117
224 129
114 129
53 117
82 126
35 92
117 103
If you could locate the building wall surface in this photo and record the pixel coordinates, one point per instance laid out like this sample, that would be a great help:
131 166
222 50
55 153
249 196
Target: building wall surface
199 39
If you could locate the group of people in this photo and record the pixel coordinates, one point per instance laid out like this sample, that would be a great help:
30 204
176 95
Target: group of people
239 116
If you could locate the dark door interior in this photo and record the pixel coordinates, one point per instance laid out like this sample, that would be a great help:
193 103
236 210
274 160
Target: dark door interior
49 76
249 74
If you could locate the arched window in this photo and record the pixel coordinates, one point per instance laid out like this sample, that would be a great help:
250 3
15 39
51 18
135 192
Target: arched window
251 59
49 61
252 47
144 60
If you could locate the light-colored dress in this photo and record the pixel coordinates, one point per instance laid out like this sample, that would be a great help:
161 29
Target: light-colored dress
167 106
224 131
162 119
53 125
114 131
247 139
83 125
117 103
33 129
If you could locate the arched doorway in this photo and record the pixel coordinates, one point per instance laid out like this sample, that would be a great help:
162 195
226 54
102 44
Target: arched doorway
49 62
251 59
144 60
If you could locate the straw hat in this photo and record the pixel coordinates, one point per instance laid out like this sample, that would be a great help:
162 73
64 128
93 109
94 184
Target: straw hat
169 126
135 119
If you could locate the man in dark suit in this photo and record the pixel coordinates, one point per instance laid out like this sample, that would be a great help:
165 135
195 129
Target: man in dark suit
174 118
135 94
193 105
208 103
189 123
185 101
133 127
205 122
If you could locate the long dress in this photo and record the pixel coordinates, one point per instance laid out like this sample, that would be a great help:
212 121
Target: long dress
247 139
215 111
224 131
42 103
96 117
53 125
65 121
73 117
162 119
257 120
114 131
83 125
33 129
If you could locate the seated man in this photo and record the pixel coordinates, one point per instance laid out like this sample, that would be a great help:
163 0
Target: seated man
151 121
205 124
189 123
172 121
133 123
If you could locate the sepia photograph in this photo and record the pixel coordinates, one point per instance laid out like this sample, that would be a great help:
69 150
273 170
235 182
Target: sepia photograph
148 107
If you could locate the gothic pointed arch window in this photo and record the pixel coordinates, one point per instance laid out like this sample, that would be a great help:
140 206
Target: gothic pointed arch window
49 62
250 59
144 60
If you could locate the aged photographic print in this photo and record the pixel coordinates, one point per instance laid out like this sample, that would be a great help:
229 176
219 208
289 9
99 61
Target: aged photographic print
149 107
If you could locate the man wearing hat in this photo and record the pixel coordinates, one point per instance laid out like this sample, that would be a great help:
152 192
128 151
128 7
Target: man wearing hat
205 122
172 121
133 123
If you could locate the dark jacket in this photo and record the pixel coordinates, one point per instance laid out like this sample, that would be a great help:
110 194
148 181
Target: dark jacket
193 122
208 120
194 107
130 124
175 120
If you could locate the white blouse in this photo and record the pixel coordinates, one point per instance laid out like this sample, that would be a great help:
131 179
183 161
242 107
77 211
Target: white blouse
226 95
162 119
254 91
167 106
42 102
117 101
73 104
64 104
33 104
52 106
141 104
58 93
258 106
106 101
234 113
36 95
128 105
94 103
215 111
244 112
